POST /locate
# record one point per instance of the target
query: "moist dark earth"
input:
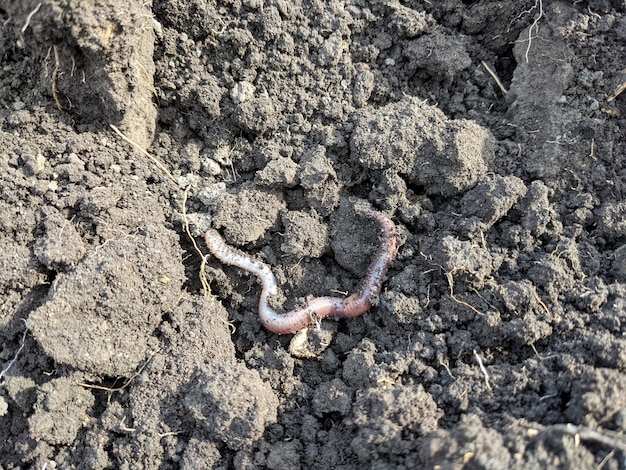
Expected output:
(492, 133)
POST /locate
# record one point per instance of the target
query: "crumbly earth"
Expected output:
(499, 340)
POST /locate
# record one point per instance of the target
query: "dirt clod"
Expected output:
(232, 403)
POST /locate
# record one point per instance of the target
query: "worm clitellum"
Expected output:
(320, 307)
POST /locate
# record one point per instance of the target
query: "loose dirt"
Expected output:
(493, 133)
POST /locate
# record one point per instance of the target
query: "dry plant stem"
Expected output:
(30, 17)
(19, 350)
(482, 368)
(534, 25)
(495, 77)
(608, 438)
(205, 284)
(320, 307)
(144, 153)
(55, 74)
(125, 385)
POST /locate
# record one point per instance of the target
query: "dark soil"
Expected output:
(499, 341)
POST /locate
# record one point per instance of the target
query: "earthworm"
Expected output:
(320, 307)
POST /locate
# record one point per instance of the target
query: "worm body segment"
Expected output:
(320, 307)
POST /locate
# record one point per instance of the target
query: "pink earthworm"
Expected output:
(320, 307)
